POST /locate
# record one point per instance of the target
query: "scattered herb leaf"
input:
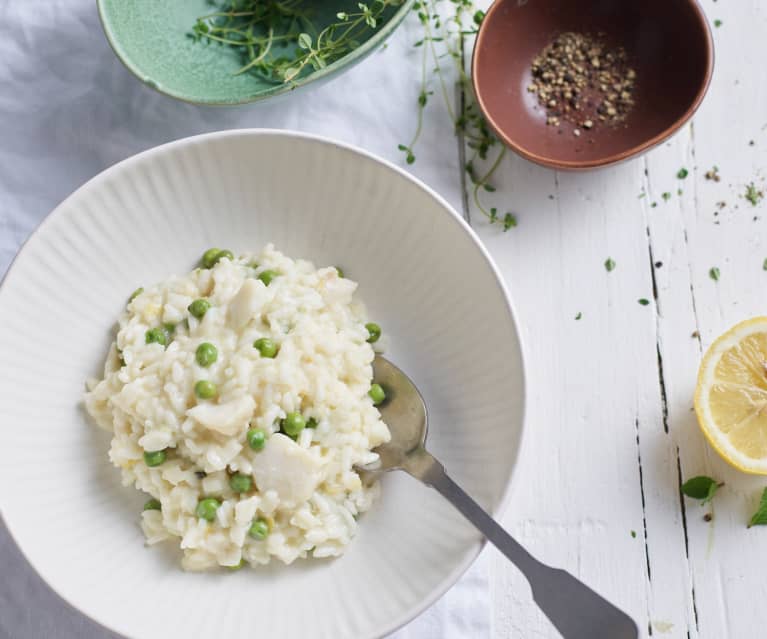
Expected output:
(634, 534)
(764, 264)
(713, 273)
(759, 518)
(666, 196)
(609, 264)
(682, 173)
(753, 195)
(718, 23)
(701, 487)
(643, 301)
(578, 315)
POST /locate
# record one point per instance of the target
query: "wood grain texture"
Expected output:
(611, 429)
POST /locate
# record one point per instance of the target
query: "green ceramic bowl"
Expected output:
(151, 38)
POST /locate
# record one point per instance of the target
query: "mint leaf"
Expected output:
(759, 518)
(702, 488)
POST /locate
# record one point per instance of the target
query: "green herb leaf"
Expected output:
(643, 301)
(578, 315)
(753, 195)
(682, 173)
(634, 534)
(305, 41)
(509, 221)
(666, 196)
(609, 264)
(759, 518)
(701, 487)
(714, 273)
(764, 264)
(717, 23)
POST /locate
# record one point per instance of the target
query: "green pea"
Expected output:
(266, 347)
(340, 271)
(259, 529)
(312, 423)
(198, 308)
(205, 389)
(256, 438)
(377, 394)
(210, 257)
(267, 276)
(135, 294)
(374, 332)
(237, 566)
(153, 504)
(206, 354)
(159, 335)
(206, 508)
(154, 457)
(293, 424)
(241, 483)
(226, 253)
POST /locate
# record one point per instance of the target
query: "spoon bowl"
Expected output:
(403, 410)
(669, 45)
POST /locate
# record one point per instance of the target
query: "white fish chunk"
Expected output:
(291, 471)
(246, 303)
(229, 418)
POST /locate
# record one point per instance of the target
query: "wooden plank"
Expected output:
(725, 557)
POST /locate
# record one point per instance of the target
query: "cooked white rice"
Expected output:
(307, 489)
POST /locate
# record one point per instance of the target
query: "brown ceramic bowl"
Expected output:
(668, 43)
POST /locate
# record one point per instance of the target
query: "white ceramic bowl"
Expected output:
(426, 280)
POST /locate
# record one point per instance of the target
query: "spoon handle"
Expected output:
(575, 609)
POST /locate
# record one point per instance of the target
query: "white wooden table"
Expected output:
(611, 433)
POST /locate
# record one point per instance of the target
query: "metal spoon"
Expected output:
(574, 609)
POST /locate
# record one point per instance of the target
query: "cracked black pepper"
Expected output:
(577, 78)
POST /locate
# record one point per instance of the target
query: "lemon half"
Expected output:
(731, 396)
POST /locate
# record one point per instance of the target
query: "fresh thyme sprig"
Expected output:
(444, 38)
(277, 38)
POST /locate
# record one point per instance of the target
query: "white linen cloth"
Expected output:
(68, 110)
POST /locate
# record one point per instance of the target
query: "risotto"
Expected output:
(240, 398)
